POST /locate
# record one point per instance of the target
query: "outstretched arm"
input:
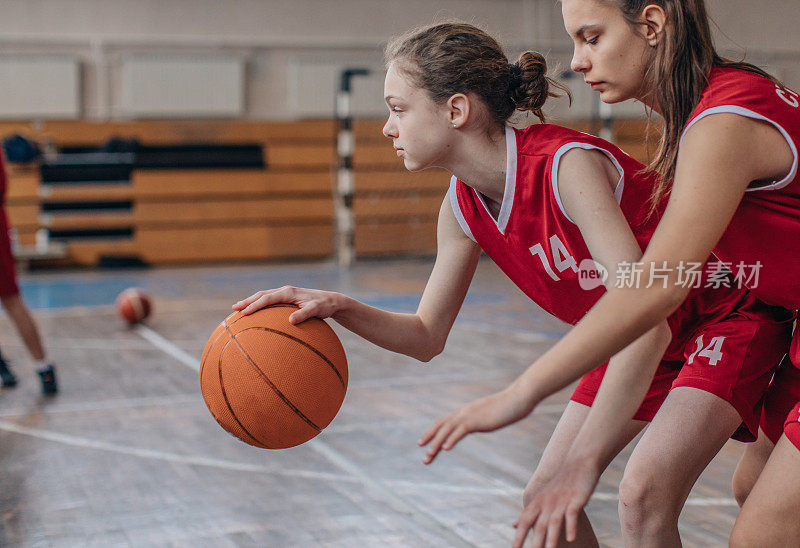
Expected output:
(421, 335)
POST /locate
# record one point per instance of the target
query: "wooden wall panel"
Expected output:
(158, 184)
(379, 154)
(23, 215)
(322, 156)
(374, 180)
(89, 220)
(23, 186)
(390, 238)
(415, 205)
(86, 192)
(199, 212)
(247, 242)
(89, 252)
(639, 151)
(369, 130)
(167, 132)
(638, 130)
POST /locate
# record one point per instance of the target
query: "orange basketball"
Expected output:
(270, 383)
(133, 305)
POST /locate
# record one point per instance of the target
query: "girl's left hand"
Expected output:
(483, 415)
(557, 506)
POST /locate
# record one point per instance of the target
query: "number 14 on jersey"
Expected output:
(561, 257)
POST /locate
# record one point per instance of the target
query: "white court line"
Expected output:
(126, 403)
(94, 344)
(691, 501)
(86, 443)
(502, 489)
(167, 347)
(711, 501)
(515, 493)
(399, 504)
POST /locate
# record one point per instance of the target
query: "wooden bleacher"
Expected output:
(224, 215)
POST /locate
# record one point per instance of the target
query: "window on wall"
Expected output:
(176, 86)
(37, 86)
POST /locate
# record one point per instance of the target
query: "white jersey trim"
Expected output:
(586, 146)
(457, 208)
(747, 113)
(511, 183)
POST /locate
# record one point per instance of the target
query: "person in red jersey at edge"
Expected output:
(543, 203)
(728, 162)
(15, 306)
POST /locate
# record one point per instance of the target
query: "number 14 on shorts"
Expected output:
(712, 351)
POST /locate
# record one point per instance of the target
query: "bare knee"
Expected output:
(633, 500)
(644, 502)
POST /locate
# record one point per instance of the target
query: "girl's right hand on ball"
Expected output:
(312, 302)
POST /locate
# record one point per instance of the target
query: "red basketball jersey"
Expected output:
(541, 250)
(765, 229)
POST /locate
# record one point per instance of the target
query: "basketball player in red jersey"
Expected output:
(15, 307)
(729, 156)
(542, 202)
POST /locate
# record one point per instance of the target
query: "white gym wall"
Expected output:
(284, 56)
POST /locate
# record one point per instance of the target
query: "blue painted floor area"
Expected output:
(394, 285)
(99, 288)
(67, 293)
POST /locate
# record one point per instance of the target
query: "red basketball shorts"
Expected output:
(8, 269)
(791, 428)
(781, 403)
(733, 359)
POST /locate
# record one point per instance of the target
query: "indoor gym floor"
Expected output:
(128, 455)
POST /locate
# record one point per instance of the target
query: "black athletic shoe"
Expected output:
(7, 377)
(48, 377)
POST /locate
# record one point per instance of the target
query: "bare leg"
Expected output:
(686, 433)
(26, 326)
(556, 452)
(770, 516)
(750, 466)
